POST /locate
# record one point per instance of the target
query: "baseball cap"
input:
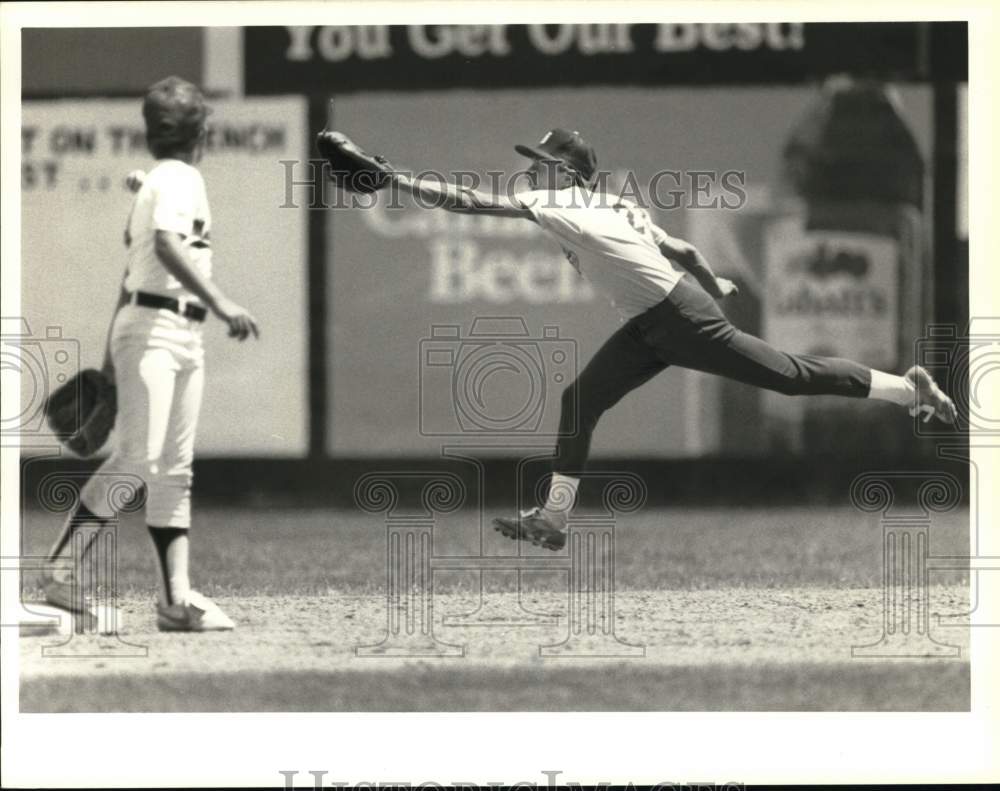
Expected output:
(174, 110)
(564, 146)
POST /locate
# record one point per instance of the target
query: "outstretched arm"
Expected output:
(460, 199)
(687, 255)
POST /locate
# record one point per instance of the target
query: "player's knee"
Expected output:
(172, 465)
(585, 405)
(177, 478)
(168, 508)
(787, 385)
(575, 399)
(110, 489)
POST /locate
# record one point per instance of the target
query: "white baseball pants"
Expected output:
(159, 374)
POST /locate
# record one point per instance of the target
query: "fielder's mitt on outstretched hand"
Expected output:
(81, 412)
(351, 167)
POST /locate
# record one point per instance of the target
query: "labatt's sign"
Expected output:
(370, 42)
(831, 292)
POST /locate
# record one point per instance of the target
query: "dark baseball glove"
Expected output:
(81, 412)
(351, 167)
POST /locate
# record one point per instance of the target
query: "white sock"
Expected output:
(889, 387)
(177, 564)
(562, 496)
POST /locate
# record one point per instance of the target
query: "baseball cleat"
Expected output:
(197, 613)
(533, 526)
(930, 399)
(61, 592)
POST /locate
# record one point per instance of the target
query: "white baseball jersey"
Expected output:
(172, 198)
(610, 241)
(157, 354)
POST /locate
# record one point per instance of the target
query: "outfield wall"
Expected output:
(353, 302)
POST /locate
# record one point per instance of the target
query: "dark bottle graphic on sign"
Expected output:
(856, 167)
(854, 145)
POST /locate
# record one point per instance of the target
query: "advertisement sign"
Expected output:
(833, 293)
(351, 58)
(444, 325)
(75, 157)
(450, 328)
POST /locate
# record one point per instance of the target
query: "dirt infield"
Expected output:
(753, 609)
(722, 649)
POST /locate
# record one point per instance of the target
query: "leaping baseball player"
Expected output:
(154, 354)
(669, 315)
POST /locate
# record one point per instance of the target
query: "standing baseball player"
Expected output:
(154, 354)
(670, 316)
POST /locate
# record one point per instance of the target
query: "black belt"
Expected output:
(188, 310)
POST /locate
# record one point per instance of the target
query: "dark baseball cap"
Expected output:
(563, 146)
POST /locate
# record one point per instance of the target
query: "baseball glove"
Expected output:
(81, 412)
(351, 167)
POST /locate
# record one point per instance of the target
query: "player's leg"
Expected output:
(144, 379)
(693, 332)
(621, 365)
(168, 514)
(168, 510)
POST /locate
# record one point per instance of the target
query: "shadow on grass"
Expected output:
(277, 552)
(880, 685)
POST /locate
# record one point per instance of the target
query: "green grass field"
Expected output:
(733, 610)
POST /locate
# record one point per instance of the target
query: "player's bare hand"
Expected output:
(726, 287)
(241, 323)
(135, 179)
